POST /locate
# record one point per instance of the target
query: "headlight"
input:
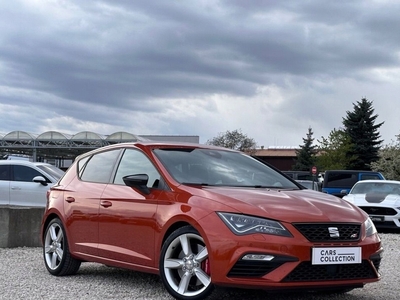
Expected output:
(242, 225)
(369, 227)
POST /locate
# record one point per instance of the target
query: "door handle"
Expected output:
(15, 188)
(105, 203)
(70, 199)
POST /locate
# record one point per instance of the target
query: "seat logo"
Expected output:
(333, 232)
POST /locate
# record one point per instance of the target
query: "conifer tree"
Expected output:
(306, 154)
(364, 135)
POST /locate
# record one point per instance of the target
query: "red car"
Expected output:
(202, 216)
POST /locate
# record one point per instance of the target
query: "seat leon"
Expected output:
(201, 216)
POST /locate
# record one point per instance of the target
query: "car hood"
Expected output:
(286, 205)
(390, 200)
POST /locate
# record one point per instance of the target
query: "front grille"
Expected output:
(322, 232)
(308, 272)
(382, 211)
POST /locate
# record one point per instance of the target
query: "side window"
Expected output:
(5, 172)
(370, 176)
(135, 162)
(24, 173)
(99, 167)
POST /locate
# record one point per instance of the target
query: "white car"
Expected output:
(25, 183)
(378, 198)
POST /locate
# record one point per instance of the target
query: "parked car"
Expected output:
(202, 216)
(25, 183)
(310, 184)
(339, 182)
(299, 175)
(378, 198)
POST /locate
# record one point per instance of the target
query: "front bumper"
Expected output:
(291, 266)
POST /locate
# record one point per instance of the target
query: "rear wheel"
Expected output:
(57, 258)
(184, 265)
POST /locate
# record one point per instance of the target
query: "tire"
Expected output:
(184, 265)
(57, 258)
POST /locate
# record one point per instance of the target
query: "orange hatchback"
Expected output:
(203, 216)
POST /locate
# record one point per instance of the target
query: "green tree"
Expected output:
(234, 140)
(364, 135)
(389, 161)
(305, 156)
(333, 151)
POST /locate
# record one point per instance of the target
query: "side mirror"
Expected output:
(40, 179)
(138, 181)
(344, 192)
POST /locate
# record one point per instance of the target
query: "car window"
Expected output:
(369, 176)
(5, 172)
(218, 167)
(99, 167)
(376, 187)
(135, 162)
(52, 170)
(340, 179)
(24, 173)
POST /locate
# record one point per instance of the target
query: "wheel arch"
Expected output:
(46, 222)
(175, 224)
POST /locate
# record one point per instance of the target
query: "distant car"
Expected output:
(340, 182)
(25, 183)
(299, 175)
(310, 184)
(202, 216)
(378, 198)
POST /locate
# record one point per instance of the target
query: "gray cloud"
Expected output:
(115, 65)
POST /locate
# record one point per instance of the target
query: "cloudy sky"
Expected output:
(271, 69)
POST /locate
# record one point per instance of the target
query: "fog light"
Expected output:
(264, 257)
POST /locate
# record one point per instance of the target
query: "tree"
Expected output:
(364, 136)
(306, 154)
(389, 161)
(333, 151)
(234, 140)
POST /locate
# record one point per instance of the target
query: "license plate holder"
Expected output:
(336, 255)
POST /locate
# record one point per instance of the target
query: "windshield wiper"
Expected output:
(195, 183)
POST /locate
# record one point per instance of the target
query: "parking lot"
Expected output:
(23, 276)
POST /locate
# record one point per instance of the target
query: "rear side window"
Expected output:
(370, 176)
(99, 167)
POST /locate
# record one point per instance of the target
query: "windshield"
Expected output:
(53, 171)
(376, 187)
(220, 168)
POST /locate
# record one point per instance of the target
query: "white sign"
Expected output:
(336, 255)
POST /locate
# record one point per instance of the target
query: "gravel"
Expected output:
(24, 276)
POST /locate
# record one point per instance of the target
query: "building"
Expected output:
(60, 149)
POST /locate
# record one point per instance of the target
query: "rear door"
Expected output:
(82, 200)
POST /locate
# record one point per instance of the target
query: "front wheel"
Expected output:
(57, 258)
(184, 265)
